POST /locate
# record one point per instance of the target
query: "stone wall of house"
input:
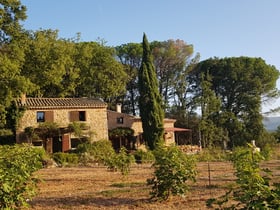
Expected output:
(137, 127)
(129, 121)
(136, 124)
(169, 123)
(169, 138)
(113, 120)
(96, 119)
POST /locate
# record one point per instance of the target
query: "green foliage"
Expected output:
(144, 156)
(150, 101)
(170, 61)
(6, 136)
(101, 76)
(240, 84)
(77, 128)
(102, 152)
(266, 139)
(130, 55)
(11, 13)
(17, 182)
(172, 169)
(267, 151)
(96, 152)
(66, 159)
(50, 65)
(121, 161)
(47, 130)
(121, 132)
(210, 105)
(12, 43)
(253, 189)
(276, 134)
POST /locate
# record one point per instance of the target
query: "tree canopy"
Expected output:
(170, 61)
(11, 54)
(144, 77)
(130, 55)
(50, 65)
(102, 76)
(239, 83)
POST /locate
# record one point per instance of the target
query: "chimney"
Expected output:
(23, 99)
(119, 108)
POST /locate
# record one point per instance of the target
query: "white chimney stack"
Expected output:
(119, 108)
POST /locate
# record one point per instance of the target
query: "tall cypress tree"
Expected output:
(150, 101)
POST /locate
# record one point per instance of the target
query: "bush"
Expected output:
(65, 159)
(120, 161)
(6, 137)
(252, 190)
(172, 169)
(267, 151)
(18, 184)
(123, 161)
(96, 152)
(144, 156)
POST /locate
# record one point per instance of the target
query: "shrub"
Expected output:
(172, 169)
(252, 190)
(97, 152)
(267, 151)
(123, 161)
(144, 156)
(18, 184)
(120, 161)
(66, 159)
(6, 137)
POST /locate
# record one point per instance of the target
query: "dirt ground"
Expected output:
(97, 188)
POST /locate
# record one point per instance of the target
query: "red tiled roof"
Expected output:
(61, 103)
(173, 129)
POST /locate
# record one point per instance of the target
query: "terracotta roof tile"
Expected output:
(61, 103)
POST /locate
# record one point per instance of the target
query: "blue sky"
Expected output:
(222, 28)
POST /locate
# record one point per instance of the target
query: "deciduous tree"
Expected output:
(102, 76)
(171, 59)
(50, 65)
(130, 55)
(12, 45)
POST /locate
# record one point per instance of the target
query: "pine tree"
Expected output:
(150, 101)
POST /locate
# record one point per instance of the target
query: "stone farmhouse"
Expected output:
(117, 119)
(62, 111)
(91, 112)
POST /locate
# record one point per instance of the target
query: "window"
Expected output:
(40, 116)
(82, 116)
(45, 116)
(120, 120)
(77, 116)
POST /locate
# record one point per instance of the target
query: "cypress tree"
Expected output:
(150, 101)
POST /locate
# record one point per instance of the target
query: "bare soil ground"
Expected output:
(98, 188)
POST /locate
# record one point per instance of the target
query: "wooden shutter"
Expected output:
(74, 116)
(49, 116)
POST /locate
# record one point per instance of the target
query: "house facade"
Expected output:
(92, 113)
(117, 119)
(62, 111)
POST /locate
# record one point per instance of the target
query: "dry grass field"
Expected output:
(97, 188)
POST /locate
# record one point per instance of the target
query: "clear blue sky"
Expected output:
(221, 28)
